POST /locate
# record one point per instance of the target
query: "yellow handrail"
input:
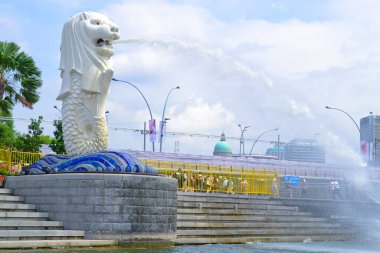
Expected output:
(211, 178)
(13, 160)
(190, 176)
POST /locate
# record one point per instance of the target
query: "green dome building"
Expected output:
(222, 148)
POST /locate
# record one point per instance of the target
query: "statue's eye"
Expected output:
(96, 22)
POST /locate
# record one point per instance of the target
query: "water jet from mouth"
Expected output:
(202, 52)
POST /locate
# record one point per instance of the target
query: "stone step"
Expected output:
(241, 212)
(33, 244)
(223, 195)
(4, 191)
(29, 224)
(211, 205)
(23, 215)
(214, 225)
(229, 218)
(258, 232)
(205, 218)
(40, 234)
(181, 241)
(16, 206)
(237, 199)
(10, 198)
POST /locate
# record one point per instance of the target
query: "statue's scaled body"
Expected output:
(86, 73)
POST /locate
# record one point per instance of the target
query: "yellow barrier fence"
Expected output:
(190, 176)
(210, 178)
(13, 160)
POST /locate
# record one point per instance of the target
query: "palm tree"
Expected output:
(19, 78)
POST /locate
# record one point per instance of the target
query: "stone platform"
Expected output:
(133, 209)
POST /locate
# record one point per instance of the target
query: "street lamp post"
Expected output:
(250, 153)
(55, 107)
(146, 102)
(242, 129)
(332, 108)
(106, 113)
(163, 116)
(357, 127)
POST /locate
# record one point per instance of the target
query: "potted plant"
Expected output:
(3, 174)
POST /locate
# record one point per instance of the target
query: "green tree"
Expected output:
(57, 144)
(7, 136)
(19, 78)
(33, 140)
(7, 133)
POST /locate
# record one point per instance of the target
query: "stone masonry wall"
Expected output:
(134, 209)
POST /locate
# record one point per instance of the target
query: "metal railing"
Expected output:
(12, 160)
(209, 178)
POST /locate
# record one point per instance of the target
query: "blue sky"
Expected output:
(266, 64)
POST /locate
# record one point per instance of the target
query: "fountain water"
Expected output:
(202, 52)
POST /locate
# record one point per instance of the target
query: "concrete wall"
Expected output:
(134, 209)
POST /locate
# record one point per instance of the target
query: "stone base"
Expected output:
(135, 209)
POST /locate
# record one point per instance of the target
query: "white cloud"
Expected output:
(210, 59)
(219, 63)
(157, 18)
(299, 109)
(197, 116)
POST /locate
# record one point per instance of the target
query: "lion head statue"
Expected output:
(86, 48)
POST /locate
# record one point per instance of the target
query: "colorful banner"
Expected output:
(152, 130)
(364, 149)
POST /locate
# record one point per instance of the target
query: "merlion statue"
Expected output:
(86, 73)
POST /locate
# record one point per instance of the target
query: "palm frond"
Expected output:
(24, 102)
(22, 77)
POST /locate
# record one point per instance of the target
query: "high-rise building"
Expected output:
(370, 139)
(304, 150)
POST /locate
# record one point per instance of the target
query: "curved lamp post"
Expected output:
(146, 102)
(163, 116)
(272, 130)
(55, 107)
(242, 129)
(106, 113)
(332, 108)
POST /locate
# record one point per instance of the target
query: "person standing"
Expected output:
(332, 189)
(303, 188)
(337, 189)
(288, 185)
(225, 184)
(274, 186)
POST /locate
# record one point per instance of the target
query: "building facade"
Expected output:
(370, 139)
(304, 150)
(277, 152)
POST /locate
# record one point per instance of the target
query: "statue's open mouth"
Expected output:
(101, 43)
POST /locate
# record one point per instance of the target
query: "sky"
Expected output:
(264, 64)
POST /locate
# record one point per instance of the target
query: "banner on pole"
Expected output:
(152, 130)
(163, 128)
(364, 150)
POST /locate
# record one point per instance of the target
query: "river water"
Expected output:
(308, 247)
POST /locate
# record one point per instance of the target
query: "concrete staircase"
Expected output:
(21, 227)
(221, 218)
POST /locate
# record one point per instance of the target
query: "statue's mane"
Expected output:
(77, 55)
